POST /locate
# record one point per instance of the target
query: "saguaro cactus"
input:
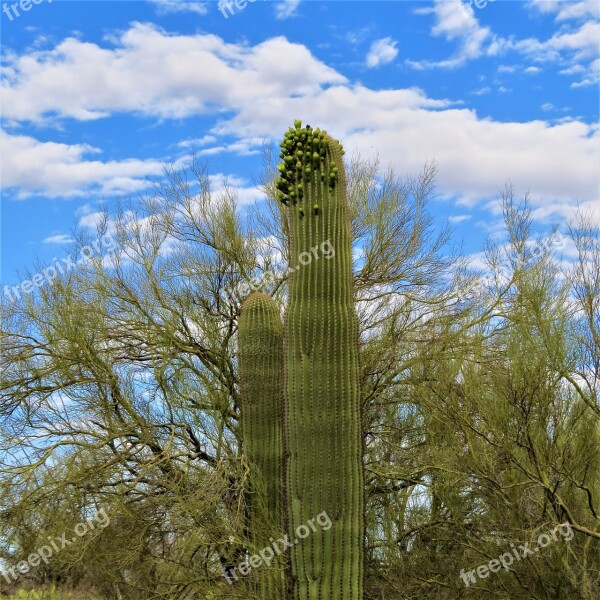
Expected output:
(261, 390)
(324, 468)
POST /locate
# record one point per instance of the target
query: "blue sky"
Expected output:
(97, 96)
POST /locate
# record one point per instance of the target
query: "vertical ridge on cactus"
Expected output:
(324, 469)
(260, 355)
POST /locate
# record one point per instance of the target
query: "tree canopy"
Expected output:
(481, 418)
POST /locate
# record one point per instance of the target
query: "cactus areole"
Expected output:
(324, 468)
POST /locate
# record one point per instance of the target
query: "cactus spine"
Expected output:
(324, 469)
(261, 377)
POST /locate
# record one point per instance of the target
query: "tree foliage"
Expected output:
(481, 417)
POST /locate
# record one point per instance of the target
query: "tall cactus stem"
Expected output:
(324, 468)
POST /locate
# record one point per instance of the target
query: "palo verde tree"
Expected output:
(120, 388)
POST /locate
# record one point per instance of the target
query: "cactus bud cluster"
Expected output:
(304, 162)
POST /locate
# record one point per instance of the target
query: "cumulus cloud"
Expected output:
(577, 49)
(556, 162)
(579, 44)
(576, 41)
(456, 21)
(567, 11)
(240, 187)
(592, 75)
(382, 52)
(85, 81)
(31, 167)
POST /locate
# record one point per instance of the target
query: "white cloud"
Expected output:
(164, 7)
(592, 76)
(547, 106)
(261, 93)
(565, 11)
(91, 220)
(246, 194)
(198, 72)
(578, 48)
(382, 52)
(61, 170)
(506, 69)
(573, 70)
(284, 9)
(241, 147)
(575, 41)
(195, 142)
(532, 70)
(476, 157)
(578, 10)
(581, 43)
(574, 44)
(459, 218)
(455, 20)
(60, 238)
